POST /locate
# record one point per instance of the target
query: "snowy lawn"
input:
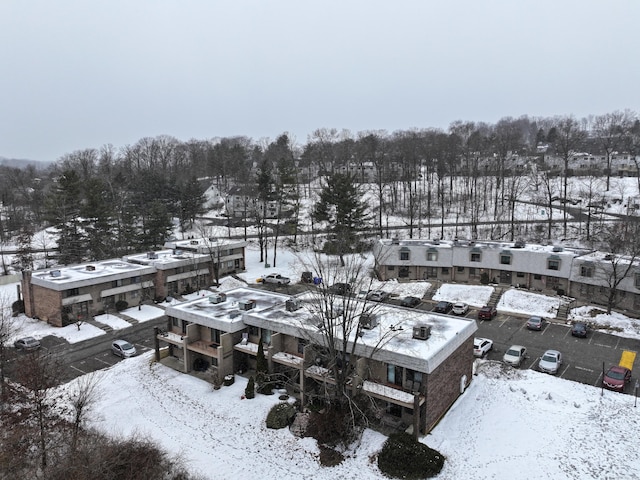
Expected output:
(526, 303)
(474, 295)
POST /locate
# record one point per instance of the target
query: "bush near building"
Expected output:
(404, 457)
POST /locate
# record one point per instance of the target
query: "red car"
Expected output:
(616, 378)
(487, 313)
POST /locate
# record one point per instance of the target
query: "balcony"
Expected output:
(288, 359)
(207, 348)
(390, 394)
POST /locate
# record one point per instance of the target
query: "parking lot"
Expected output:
(583, 358)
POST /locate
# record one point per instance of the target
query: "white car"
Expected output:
(377, 295)
(515, 355)
(550, 362)
(277, 279)
(481, 346)
(123, 349)
(460, 308)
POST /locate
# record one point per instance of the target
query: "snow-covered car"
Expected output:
(27, 343)
(481, 346)
(515, 355)
(550, 361)
(535, 323)
(123, 349)
(276, 278)
(460, 308)
(377, 295)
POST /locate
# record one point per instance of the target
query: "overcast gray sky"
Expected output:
(81, 74)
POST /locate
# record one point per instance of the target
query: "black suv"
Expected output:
(443, 307)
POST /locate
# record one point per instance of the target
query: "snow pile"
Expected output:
(474, 295)
(528, 304)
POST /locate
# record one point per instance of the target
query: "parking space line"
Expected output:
(100, 360)
(76, 368)
(565, 370)
(602, 345)
(585, 369)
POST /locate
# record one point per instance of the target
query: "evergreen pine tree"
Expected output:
(250, 390)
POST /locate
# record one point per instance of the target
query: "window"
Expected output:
(215, 335)
(460, 269)
(586, 270)
(266, 336)
(637, 280)
(445, 270)
(476, 256)
(175, 322)
(301, 344)
(432, 255)
(116, 283)
(391, 268)
(135, 280)
(520, 274)
(505, 258)
(432, 272)
(404, 255)
(72, 292)
(404, 272)
(253, 331)
(553, 263)
(537, 276)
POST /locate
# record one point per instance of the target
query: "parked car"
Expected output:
(481, 346)
(487, 313)
(123, 349)
(515, 355)
(306, 277)
(340, 288)
(535, 323)
(460, 308)
(27, 343)
(443, 307)
(616, 378)
(550, 362)
(377, 295)
(579, 329)
(410, 301)
(277, 279)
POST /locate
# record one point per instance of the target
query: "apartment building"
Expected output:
(550, 269)
(66, 294)
(413, 376)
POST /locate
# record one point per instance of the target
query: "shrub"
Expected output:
(329, 457)
(404, 457)
(484, 278)
(17, 307)
(121, 305)
(250, 390)
(281, 416)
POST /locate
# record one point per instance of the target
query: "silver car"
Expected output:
(515, 355)
(550, 362)
(123, 349)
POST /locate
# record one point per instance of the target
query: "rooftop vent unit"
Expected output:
(218, 297)
(557, 249)
(152, 255)
(608, 256)
(56, 273)
(193, 242)
(292, 304)
(395, 241)
(368, 321)
(177, 252)
(213, 239)
(246, 304)
(436, 241)
(91, 268)
(421, 332)
(519, 244)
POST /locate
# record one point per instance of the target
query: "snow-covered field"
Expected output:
(508, 424)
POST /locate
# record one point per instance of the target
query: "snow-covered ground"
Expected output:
(508, 424)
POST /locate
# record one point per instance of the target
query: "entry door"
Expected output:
(505, 277)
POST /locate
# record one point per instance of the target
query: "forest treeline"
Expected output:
(107, 201)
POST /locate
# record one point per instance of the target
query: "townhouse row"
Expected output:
(588, 276)
(411, 364)
(65, 295)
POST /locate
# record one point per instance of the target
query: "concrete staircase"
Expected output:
(495, 297)
(563, 313)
